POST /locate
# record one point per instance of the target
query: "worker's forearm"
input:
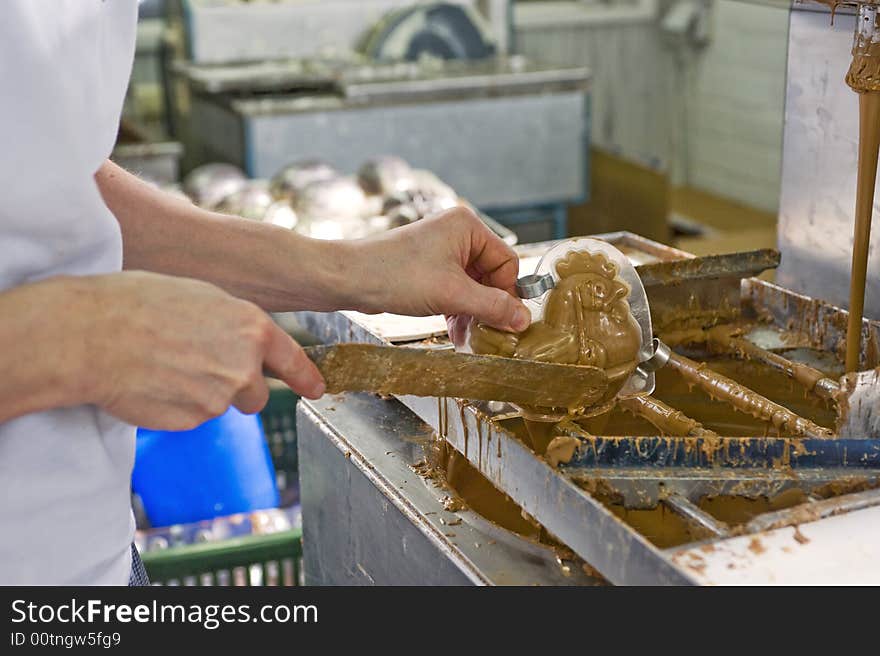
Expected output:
(271, 266)
(42, 351)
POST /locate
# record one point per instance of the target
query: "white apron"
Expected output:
(65, 515)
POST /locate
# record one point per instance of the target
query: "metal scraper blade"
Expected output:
(445, 373)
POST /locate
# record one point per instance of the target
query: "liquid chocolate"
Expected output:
(864, 78)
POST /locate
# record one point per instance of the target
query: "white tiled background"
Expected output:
(727, 95)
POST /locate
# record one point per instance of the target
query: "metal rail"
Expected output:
(663, 417)
(744, 399)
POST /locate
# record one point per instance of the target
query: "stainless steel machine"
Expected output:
(769, 471)
(819, 160)
(263, 84)
(701, 506)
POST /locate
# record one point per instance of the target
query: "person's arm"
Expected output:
(156, 351)
(169, 352)
(40, 359)
(451, 264)
(271, 266)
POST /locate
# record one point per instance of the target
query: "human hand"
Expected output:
(170, 353)
(448, 264)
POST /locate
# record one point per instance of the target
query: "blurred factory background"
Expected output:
(555, 118)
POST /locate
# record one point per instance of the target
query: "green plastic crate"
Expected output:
(253, 560)
(279, 425)
(274, 559)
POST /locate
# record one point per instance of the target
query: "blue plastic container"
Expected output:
(222, 467)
